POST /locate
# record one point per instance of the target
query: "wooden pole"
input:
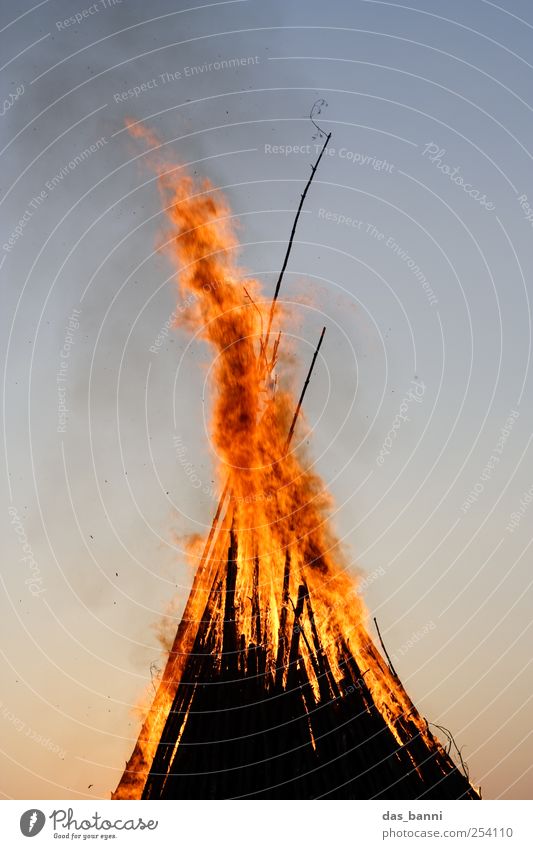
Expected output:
(391, 667)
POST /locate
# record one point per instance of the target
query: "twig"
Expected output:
(293, 232)
(316, 109)
(391, 667)
(155, 668)
(302, 394)
(451, 741)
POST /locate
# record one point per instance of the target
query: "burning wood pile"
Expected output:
(273, 687)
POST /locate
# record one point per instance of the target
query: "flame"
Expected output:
(272, 501)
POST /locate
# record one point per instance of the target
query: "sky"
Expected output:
(414, 250)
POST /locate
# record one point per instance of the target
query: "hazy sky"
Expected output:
(415, 250)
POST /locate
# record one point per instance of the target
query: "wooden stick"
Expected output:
(293, 232)
(391, 667)
(304, 390)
